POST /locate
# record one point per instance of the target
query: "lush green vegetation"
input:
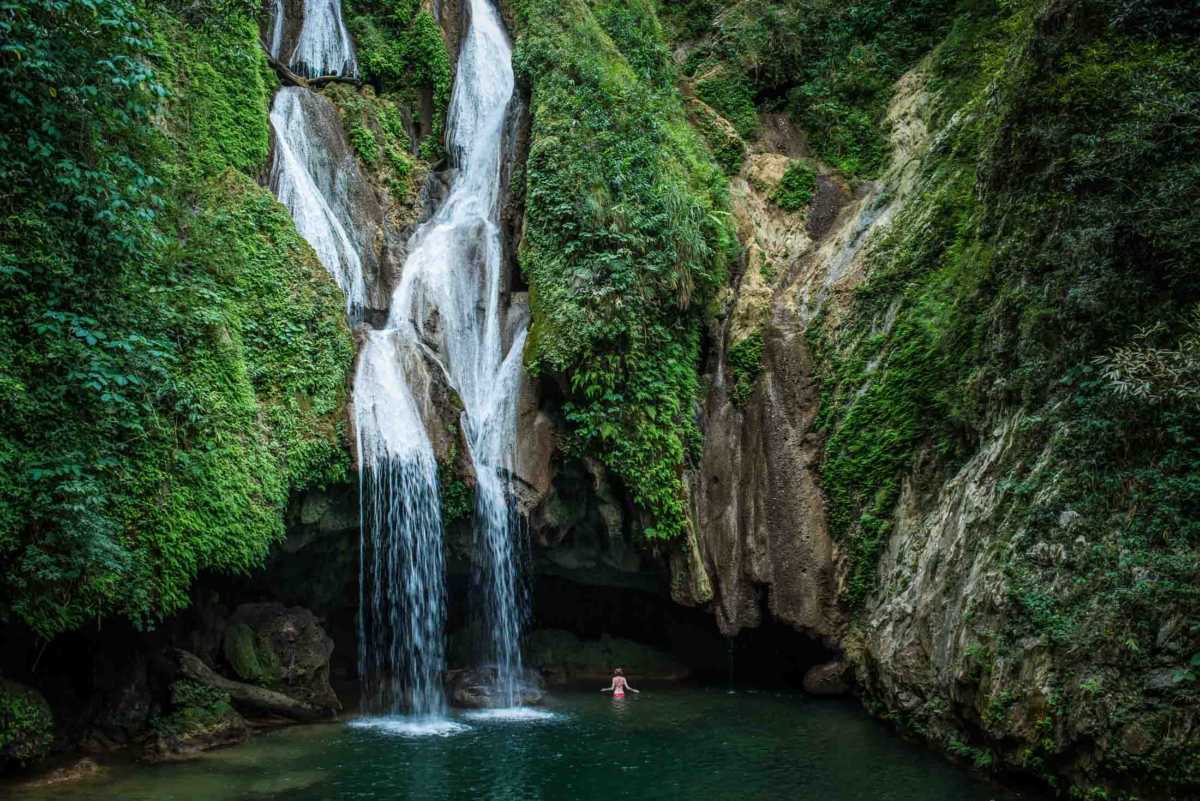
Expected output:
(172, 356)
(375, 127)
(402, 54)
(745, 366)
(795, 188)
(195, 707)
(831, 66)
(26, 724)
(626, 237)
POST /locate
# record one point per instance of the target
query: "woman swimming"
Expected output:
(619, 685)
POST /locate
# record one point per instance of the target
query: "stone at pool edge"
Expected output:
(283, 649)
(473, 688)
(828, 679)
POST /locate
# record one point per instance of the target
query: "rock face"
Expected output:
(281, 649)
(831, 678)
(563, 657)
(761, 537)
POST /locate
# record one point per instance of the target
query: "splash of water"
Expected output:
(323, 46)
(305, 180)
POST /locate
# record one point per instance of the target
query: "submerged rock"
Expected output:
(74, 771)
(475, 688)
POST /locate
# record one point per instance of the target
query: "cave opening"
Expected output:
(774, 655)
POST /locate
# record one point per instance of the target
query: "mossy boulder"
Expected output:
(283, 649)
(26, 724)
(201, 718)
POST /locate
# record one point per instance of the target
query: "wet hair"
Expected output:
(618, 672)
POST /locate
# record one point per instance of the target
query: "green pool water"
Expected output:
(666, 745)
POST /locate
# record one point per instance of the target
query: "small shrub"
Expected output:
(26, 724)
(745, 366)
(796, 187)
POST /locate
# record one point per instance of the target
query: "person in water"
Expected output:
(619, 685)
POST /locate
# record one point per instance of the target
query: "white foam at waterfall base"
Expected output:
(411, 726)
(514, 714)
(298, 152)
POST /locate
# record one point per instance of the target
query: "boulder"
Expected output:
(250, 697)
(281, 649)
(202, 718)
(475, 688)
(26, 724)
(830, 678)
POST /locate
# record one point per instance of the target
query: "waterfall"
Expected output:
(323, 45)
(447, 309)
(402, 603)
(305, 178)
(446, 319)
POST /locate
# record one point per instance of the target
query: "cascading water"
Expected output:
(304, 179)
(445, 316)
(447, 310)
(323, 45)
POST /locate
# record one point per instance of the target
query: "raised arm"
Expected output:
(610, 687)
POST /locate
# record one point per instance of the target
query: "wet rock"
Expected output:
(563, 657)
(202, 718)
(79, 769)
(475, 688)
(26, 724)
(281, 649)
(830, 678)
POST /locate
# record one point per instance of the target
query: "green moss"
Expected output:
(375, 128)
(241, 655)
(726, 147)
(626, 236)
(194, 707)
(26, 724)
(795, 189)
(217, 108)
(745, 366)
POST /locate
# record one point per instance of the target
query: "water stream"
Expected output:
(306, 179)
